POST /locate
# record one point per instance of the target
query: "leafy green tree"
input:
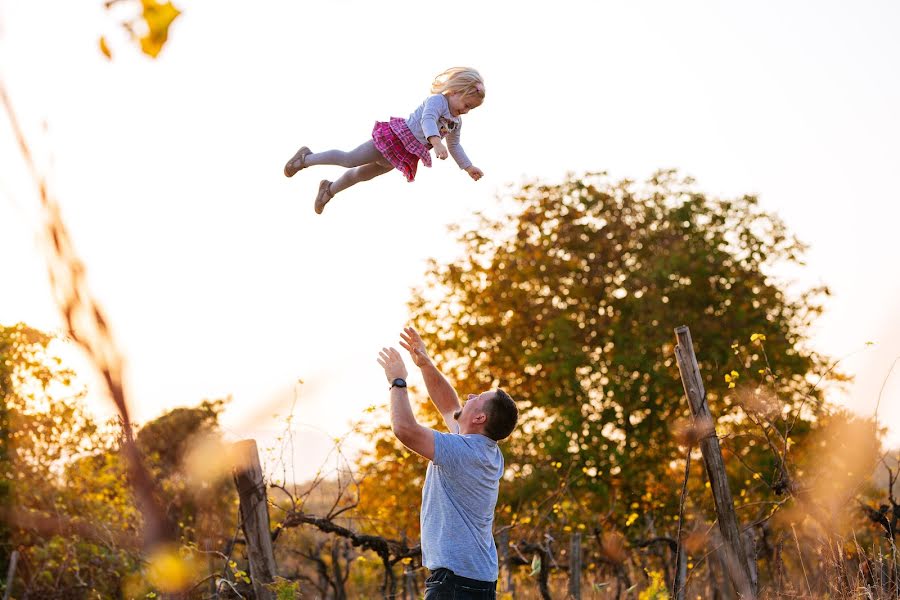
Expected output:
(20, 351)
(200, 497)
(568, 300)
(65, 526)
(68, 506)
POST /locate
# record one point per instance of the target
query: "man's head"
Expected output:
(492, 413)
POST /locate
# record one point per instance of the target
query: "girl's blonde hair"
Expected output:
(459, 80)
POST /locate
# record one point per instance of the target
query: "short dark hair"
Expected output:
(502, 416)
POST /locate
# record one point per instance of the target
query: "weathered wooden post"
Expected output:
(211, 566)
(575, 566)
(680, 584)
(11, 573)
(410, 589)
(254, 512)
(737, 566)
(507, 564)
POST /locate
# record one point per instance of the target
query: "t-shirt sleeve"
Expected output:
(434, 107)
(450, 451)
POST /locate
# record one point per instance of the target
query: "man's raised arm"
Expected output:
(403, 422)
(442, 393)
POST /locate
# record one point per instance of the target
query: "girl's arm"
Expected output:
(434, 106)
(456, 149)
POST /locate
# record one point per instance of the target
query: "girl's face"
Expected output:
(461, 104)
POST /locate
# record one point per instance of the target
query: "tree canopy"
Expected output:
(67, 505)
(568, 300)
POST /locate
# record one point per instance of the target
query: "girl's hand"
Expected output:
(440, 150)
(475, 173)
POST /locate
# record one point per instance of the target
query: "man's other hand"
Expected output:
(392, 363)
(412, 342)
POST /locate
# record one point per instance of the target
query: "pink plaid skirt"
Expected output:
(398, 144)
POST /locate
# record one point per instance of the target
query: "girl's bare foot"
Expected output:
(323, 196)
(297, 162)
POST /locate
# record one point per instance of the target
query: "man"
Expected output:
(463, 477)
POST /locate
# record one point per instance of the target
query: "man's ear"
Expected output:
(480, 418)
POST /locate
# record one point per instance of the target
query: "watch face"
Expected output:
(398, 383)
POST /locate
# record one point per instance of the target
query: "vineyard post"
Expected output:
(254, 514)
(738, 566)
(575, 566)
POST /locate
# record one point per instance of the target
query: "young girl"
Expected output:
(401, 143)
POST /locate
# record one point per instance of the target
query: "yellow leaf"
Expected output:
(631, 519)
(159, 17)
(104, 48)
(730, 385)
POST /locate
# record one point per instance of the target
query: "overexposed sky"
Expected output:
(218, 277)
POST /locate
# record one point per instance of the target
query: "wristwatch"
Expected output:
(401, 383)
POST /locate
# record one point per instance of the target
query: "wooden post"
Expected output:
(11, 573)
(507, 565)
(248, 478)
(680, 571)
(575, 566)
(409, 583)
(750, 549)
(211, 567)
(738, 567)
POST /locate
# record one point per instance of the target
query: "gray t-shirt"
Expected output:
(458, 502)
(433, 117)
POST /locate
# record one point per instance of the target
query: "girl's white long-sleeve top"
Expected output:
(433, 117)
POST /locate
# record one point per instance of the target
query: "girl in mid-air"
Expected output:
(401, 143)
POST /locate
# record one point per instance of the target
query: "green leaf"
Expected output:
(535, 565)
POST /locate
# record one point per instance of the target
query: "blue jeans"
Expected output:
(444, 584)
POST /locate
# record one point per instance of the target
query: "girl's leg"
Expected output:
(350, 177)
(357, 174)
(363, 155)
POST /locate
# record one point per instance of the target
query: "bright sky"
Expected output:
(219, 278)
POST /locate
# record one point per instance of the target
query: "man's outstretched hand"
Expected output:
(392, 363)
(412, 342)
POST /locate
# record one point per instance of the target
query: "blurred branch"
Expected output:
(87, 326)
(51, 525)
(883, 384)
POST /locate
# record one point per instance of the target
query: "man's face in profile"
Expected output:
(474, 404)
